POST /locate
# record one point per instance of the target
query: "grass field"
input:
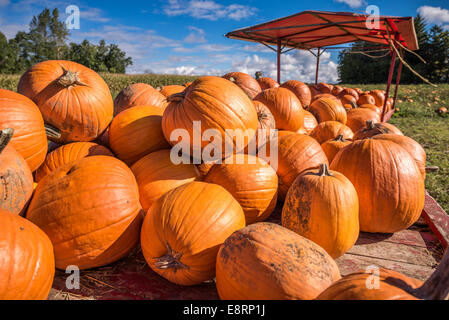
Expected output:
(416, 118)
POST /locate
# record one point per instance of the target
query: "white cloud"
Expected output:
(196, 35)
(4, 3)
(93, 14)
(435, 15)
(208, 9)
(10, 30)
(352, 3)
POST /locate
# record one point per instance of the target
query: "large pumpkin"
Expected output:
(329, 130)
(251, 181)
(372, 107)
(322, 206)
(138, 94)
(171, 89)
(16, 179)
(21, 114)
(325, 109)
(301, 90)
(388, 182)
(27, 263)
(136, 132)
(265, 261)
(267, 83)
(212, 103)
(333, 146)
(183, 230)
(248, 84)
(357, 118)
(371, 129)
(90, 210)
(68, 153)
(156, 174)
(310, 122)
(285, 107)
(72, 98)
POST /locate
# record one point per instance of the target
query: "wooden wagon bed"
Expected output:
(415, 252)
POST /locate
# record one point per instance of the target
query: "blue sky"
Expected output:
(186, 36)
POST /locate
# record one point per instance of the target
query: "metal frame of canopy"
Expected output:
(323, 30)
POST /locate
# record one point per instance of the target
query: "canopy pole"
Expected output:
(390, 77)
(279, 59)
(317, 65)
(398, 79)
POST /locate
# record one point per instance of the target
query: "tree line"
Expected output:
(433, 48)
(47, 39)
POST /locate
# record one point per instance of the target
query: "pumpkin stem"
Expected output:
(176, 97)
(170, 260)
(52, 132)
(324, 171)
(369, 124)
(232, 79)
(5, 137)
(340, 138)
(437, 286)
(69, 79)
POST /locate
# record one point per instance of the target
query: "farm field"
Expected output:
(416, 118)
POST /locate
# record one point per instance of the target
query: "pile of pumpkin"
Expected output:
(85, 179)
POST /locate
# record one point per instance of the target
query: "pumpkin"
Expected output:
(251, 181)
(314, 91)
(156, 174)
(414, 148)
(138, 94)
(187, 84)
(90, 210)
(248, 84)
(68, 153)
(388, 182)
(204, 168)
(379, 97)
(21, 114)
(366, 99)
(325, 109)
(136, 132)
(329, 130)
(267, 83)
(183, 230)
(371, 129)
(325, 95)
(265, 261)
(350, 92)
(285, 107)
(265, 117)
(27, 263)
(331, 147)
(172, 89)
(348, 99)
(359, 91)
(357, 118)
(324, 87)
(301, 90)
(372, 107)
(16, 179)
(310, 122)
(322, 206)
(73, 99)
(215, 103)
(103, 139)
(336, 90)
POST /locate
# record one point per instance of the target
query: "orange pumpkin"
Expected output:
(72, 98)
(372, 107)
(310, 122)
(172, 89)
(329, 130)
(323, 206)
(27, 264)
(366, 99)
(248, 84)
(265, 261)
(357, 118)
(251, 181)
(267, 83)
(16, 179)
(266, 118)
(301, 90)
(388, 182)
(336, 90)
(325, 109)
(136, 132)
(350, 92)
(325, 95)
(285, 107)
(371, 129)
(348, 99)
(184, 229)
(156, 174)
(204, 168)
(90, 210)
(68, 153)
(21, 114)
(331, 147)
(324, 87)
(379, 97)
(138, 94)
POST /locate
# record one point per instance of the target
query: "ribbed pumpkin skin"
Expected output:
(218, 104)
(21, 114)
(357, 118)
(90, 210)
(138, 94)
(324, 87)
(372, 107)
(68, 153)
(244, 81)
(156, 175)
(27, 263)
(353, 287)
(16, 181)
(388, 182)
(336, 90)
(379, 97)
(251, 181)
(285, 107)
(325, 95)
(329, 130)
(172, 89)
(414, 148)
(301, 90)
(79, 112)
(348, 99)
(325, 109)
(366, 99)
(323, 207)
(372, 129)
(265, 261)
(349, 92)
(192, 220)
(136, 132)
(266, 118)
(310, 122)
(267, 83)
(332, 147)
(296, 153)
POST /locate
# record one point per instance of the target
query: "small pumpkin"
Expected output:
(138, 94)
(265, 261)
(267, 83)
(379, 97)
(372, 107)
(322, 206)
(248, 84)
(336, 90)
(265, 117)
(325, 95)
(324, 87)
(348, 99)
(301, 90)
(184, 229)
(329, 130)
(171, 89)
(325, 109)
(366, 99)
(331, 147)
(350, 92)
(357, 118)
(371, 129)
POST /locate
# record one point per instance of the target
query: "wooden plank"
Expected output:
(437, 219)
